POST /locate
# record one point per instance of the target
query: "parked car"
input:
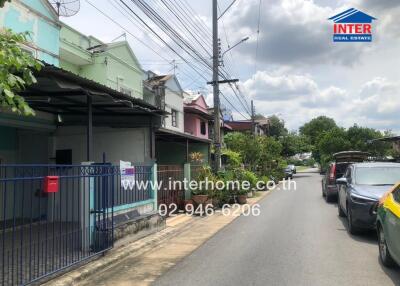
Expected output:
(293, 168)
(288, 173)
(336, 170)
(388, 227)
(360, 190)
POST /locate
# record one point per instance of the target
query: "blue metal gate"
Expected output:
(52, 217)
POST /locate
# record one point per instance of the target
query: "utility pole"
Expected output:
(217, 131)
(253, 124)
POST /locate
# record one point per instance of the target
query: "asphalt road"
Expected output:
(298, 239)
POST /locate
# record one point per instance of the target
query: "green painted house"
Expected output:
(111, 64)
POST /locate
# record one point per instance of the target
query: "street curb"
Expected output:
(134, 249)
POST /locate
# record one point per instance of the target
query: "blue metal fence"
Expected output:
(41, 233)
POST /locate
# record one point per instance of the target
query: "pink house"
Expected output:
(196, 115)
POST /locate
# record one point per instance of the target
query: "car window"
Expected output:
(377, 175)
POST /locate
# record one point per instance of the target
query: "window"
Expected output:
(203, 129)
(174, 115)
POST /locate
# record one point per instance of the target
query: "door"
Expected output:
(393, 225)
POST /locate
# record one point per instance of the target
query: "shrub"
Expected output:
(233, 159)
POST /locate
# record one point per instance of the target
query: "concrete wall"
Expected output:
(36, 17)
(118, 144)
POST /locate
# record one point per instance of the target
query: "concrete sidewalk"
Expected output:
(141, 262)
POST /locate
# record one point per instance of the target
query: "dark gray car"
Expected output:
(360, 189)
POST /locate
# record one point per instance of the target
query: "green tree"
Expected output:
(332, 141)
(246, 145)
(15, 71)
(316, 127)
(293, 144)
(360, 139)
(276, 127)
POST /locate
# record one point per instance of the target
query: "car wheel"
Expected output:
(353, 230)
(329, 198)
(340, 210)
(384, 253)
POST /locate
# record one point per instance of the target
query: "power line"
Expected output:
(139, 23)
(173, 35)
(126, 30)
(167, 44)
(233, 107)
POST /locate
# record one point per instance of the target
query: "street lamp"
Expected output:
(230, 48)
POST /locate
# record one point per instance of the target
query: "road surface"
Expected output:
(297, 240)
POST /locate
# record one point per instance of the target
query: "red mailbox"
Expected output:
(51, 184)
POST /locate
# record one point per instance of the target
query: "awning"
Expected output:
(193, 110)
(175, 136)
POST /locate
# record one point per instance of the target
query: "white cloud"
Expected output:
(263, 86)
(299, 98)
(294, 32)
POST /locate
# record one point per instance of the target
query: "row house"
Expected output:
(176, 143)
(67, 174)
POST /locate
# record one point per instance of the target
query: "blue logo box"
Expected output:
(352, 38)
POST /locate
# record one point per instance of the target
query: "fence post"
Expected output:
(155, 184)
(187, 176)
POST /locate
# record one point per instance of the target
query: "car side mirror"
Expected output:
(342, 181)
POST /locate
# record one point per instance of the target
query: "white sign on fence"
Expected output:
(127, 175)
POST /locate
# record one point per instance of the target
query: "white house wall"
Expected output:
(118, 144)
(174, 100)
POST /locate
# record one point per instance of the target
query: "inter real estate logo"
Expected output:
(352, 26)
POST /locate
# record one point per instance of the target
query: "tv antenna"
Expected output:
(66, 8)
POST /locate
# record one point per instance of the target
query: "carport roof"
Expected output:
(61, 92)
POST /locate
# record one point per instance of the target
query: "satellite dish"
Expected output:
(66, 8)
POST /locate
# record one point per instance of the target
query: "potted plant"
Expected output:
(199, 196)
(242, 197)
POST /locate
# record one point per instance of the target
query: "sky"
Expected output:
(297, 73)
